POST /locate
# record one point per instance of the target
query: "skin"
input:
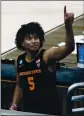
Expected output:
(32, 45)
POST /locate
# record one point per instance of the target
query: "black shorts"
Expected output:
(43, 107)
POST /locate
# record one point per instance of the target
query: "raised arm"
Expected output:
(63, 51)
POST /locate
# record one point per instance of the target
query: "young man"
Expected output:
(36, 68)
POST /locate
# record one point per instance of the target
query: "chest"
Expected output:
(35, 76)
(32, 75)
(34, 68)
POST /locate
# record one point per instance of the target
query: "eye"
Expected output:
(27, 38)
(36, 37)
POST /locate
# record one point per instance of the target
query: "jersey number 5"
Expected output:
(31, 83)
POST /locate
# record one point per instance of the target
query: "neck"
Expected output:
(31, 55)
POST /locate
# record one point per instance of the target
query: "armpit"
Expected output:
(51, 65)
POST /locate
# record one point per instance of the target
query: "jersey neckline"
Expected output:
(38, 54)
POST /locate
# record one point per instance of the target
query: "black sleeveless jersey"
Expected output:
(37, 83)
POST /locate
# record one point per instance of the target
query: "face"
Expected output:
(31, 42)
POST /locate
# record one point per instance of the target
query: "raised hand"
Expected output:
(68, 17)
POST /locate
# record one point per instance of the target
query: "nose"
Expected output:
(33, 40)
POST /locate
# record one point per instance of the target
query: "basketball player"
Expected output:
(36, 67)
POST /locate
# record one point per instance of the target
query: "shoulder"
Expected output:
(19, 59)
(21, 55)
(47, 54)
(50, 62)
(42, 51)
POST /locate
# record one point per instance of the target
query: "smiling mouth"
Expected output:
(34, 45)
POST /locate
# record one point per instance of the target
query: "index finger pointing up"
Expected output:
(65, 10)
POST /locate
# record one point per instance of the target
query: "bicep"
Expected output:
(55, 53)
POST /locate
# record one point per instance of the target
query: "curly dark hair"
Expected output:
(27, 29)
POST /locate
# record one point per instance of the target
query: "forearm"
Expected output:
(63, 51)
(17, 95)
(69, 40)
